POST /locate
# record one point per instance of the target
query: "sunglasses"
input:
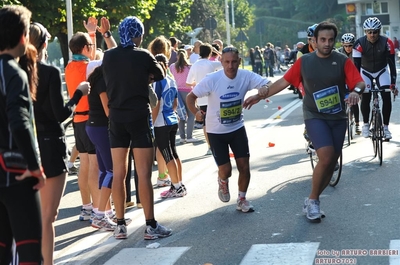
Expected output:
(230, 49)
(89, 44)
(347, 46)
(372, 32)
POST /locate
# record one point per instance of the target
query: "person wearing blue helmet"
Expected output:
(311, 44)
(127, 71)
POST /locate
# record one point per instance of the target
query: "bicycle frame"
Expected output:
(376, 124)
(350, 124)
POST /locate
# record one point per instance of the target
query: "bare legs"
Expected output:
(50, 196)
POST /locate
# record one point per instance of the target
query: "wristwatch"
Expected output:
(107, 34)
(357, 90)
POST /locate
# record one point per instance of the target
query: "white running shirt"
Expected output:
(225, 98)
(199, 70)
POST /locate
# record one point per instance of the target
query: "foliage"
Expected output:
(52, 14)
(281, 20)
(166, 19)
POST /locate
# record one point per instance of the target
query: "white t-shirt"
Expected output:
(199, 70)
(91, 66)
(194, 57)
(225, 98)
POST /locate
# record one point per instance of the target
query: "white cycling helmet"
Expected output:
(348, 38)
(372, 23)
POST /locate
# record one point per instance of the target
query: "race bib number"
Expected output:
(328, 100)
(230, 112)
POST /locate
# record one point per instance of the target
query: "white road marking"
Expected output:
(394, 245)
(143, 256)
(283, 254)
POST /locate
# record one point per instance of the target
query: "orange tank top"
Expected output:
(75, 73)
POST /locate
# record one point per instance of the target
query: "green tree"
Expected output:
(52, 14)
(167, 19)
(201, 10)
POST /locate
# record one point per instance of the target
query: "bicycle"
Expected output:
(376, 124)
(314, 161)
(350, 124)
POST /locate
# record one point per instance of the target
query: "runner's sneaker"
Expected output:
(86, 214)
(305, 208)
(181, 191)
(223, 190)
(173, 192)
(192, 140)
(182, 141)
(153, 233)
(73, 170)
(244, 206)
(313, 212)
(113, 219)
(164, 182)
(358, 131)
(365, 131)
(120, 232)
(184, 189)
(387, 134)
(104, 224)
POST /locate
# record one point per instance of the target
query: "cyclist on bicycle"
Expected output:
(372, 54)
(323, 106)
(348, 40)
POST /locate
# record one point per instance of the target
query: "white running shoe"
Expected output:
(244, 206)
(365, 131)
(387, 134)
(164, 182)
(223, 190)
(192, 140)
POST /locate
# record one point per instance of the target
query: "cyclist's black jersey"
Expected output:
(374, 56)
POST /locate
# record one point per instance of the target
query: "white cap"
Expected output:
(300, 43)
(188, 47)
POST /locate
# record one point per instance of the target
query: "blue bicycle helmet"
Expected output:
(311, 29)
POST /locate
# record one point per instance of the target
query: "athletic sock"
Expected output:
(242, 195)
(87, 206)
(152, 223)
(162, 176)
(121, 221)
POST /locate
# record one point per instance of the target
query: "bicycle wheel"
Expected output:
(379, 137)
(337, 172)
(348, 131)
(352, 125)
(374, 136)
(313, 155)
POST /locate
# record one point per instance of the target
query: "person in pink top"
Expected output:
(180, 70)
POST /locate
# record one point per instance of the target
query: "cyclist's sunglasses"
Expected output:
(370, 32)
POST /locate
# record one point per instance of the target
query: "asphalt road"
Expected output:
(362, 211)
